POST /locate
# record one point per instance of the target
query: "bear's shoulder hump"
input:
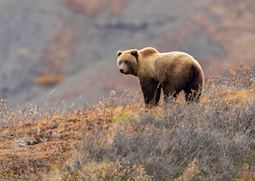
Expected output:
(148, 51)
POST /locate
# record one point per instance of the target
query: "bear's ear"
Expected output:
(119, 53)
(135, 53)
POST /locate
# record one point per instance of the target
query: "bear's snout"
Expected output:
(123, 68)
(122, 71)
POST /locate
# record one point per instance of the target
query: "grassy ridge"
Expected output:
(119, 138)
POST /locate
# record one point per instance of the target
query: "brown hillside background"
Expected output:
(63, 51)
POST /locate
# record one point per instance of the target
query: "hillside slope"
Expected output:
(54, 46)
(119, 138)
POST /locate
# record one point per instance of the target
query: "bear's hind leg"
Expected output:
(195, 87)
(170, 93)
(192, 96)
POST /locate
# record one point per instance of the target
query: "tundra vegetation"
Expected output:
(119, 139)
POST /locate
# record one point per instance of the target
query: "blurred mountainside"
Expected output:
(63, 51)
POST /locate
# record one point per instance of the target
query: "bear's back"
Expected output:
(177, 58)
(175, 64)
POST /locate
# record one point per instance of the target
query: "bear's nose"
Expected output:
(121, 71)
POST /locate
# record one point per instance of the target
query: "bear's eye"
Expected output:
(122, 61)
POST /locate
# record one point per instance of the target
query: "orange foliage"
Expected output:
(117, 6)
(88, 7)
(94, 7)
(49, 80)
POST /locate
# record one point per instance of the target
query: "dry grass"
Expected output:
(119, 139)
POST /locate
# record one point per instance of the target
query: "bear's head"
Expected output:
(128, 61)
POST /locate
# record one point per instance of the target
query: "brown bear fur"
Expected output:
(172, 71)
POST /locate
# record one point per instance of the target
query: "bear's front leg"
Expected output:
(151, 91)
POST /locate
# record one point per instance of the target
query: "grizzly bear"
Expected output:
(171, 71)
